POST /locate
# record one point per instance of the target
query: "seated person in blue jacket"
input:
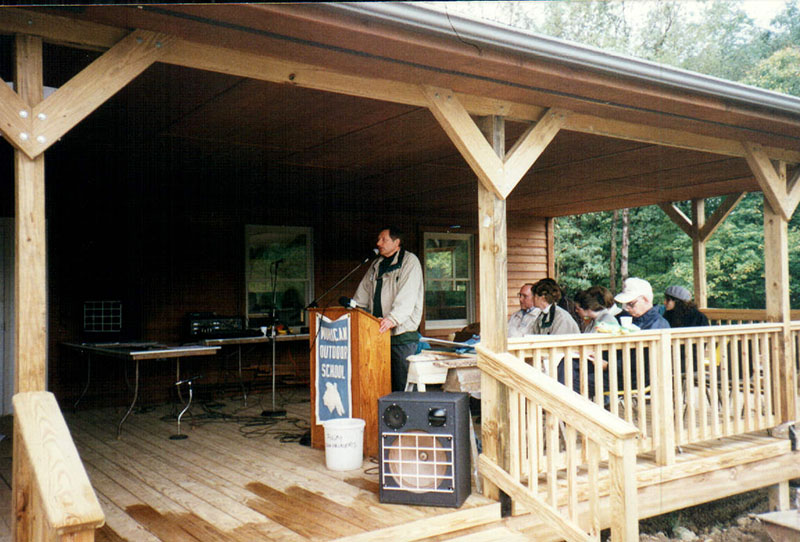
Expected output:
(636, 299)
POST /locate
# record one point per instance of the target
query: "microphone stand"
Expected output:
(275, 412)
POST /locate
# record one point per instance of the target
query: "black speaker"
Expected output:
(424, 448)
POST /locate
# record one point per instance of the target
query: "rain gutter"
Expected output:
(506, 39)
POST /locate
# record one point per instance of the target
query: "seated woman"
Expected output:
(591, 307)
(680, 311)
(553, 320)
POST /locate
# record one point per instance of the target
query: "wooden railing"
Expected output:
(554, 432)
(740, 316)
(53, 499)
(676, 386)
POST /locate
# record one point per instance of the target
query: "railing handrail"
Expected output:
(56, 478)
(583, 414)
(742, 314)
(582, 339)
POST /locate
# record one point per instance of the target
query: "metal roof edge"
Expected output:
(420, 18)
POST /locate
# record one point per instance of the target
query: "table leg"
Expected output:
(241, 380)
(88, 376)
(135, 397)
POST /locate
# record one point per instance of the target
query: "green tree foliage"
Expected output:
(780, 72)
(714, 37)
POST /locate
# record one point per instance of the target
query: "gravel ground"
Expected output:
(726, 520)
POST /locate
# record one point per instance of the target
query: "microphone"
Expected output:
(347, 303)
(371, 255)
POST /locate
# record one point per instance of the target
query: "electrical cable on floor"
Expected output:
(250, 426)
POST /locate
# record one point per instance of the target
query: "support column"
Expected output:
(699, 254)
(30, 301)
(493, 258)
(30, 286)
(776, 276)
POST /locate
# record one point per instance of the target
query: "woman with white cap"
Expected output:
(680, 311)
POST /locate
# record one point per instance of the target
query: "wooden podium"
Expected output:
(370, 376)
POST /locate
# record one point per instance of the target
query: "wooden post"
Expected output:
(699, 254)
(776, 275)
(30, 302)
(30, 288)
(493, 257)
(624, 509)
(661, 384)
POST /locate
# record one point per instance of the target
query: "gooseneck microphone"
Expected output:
(371, 255)
(364, 260)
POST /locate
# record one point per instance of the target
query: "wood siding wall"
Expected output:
(528, 254)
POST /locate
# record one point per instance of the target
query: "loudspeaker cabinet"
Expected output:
(424, 448)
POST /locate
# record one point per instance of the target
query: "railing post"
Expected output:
(624, 509)
(661, 388)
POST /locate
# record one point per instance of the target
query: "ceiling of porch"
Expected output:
(364, 151)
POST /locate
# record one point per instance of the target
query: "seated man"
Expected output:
(521, 322)
(636, 298)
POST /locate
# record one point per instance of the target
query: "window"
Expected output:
(449, 298)
(281, 257)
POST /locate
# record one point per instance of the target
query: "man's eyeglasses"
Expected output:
(631, 304)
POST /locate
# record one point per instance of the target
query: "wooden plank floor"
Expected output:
(234, 481)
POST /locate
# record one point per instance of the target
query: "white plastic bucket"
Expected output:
(344, 443)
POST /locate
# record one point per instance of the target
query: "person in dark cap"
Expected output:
(680, 311)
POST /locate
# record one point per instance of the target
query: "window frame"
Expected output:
(470, 279)
(254, 229)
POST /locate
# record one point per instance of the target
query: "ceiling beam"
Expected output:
(678, 217)
(719, 215)
(468, 139)
(496, 174)
(240, 63)
(782, 196)
(95, 84)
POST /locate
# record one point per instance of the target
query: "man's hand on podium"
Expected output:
(386, 325)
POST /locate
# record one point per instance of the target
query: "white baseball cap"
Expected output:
(633, 288)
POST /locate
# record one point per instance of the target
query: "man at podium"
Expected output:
(393, 291)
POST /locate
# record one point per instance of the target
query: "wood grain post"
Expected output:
(624, 509)
(493, 256)
(30, 287)
(776, 275)
(699, 254)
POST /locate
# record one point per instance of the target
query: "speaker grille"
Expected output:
(417, 461)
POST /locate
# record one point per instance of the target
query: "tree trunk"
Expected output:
(612, 264)
(623, 266)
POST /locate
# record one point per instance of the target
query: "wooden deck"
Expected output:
(239, 482)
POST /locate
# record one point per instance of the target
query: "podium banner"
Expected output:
(334, 369)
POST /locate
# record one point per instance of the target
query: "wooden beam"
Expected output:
(667, 137)
(467, 138)
(531, 144)
(719, 215)
(677, 216)
(30, 282)
(95, 84)
(235, 62)
(493, 262)
(699, 277)
(776, 277)
(15, 119)
(772, 183)
(264, 68)
(793, 188)
(60, 30)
